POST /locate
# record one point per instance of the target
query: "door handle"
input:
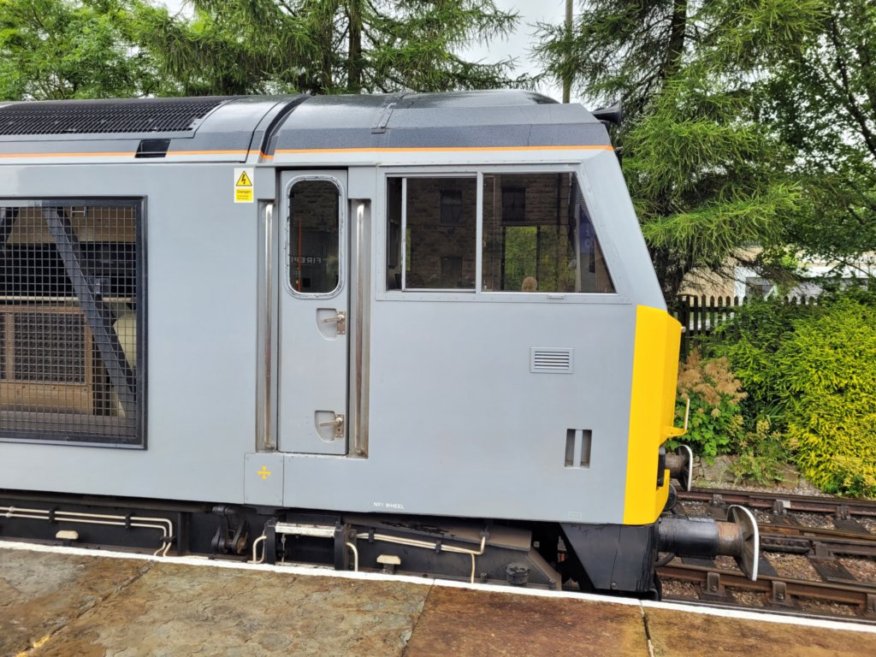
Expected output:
(337, 423)
(340, 320)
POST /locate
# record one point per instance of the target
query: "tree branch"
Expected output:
(850, 102)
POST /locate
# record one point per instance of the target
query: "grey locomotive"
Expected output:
(416, 332)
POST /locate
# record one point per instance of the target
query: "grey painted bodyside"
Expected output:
(201, 310)
(458, 424)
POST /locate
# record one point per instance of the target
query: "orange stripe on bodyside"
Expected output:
(445, 149)
(56, 155)
(243, 152)
(300, 151)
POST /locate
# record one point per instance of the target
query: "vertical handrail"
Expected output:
(265, 438)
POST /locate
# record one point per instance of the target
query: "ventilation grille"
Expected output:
(70, 307)
(105, 116)
(556, 361)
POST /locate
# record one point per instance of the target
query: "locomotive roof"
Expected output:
(231, 127)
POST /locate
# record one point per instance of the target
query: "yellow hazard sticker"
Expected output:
(243, 185)
(264, 473)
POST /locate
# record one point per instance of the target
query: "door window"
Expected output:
(314, 236)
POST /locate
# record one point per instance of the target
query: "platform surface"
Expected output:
(73, 604)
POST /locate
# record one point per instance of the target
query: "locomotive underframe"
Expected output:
(516, 553)
(607, 557)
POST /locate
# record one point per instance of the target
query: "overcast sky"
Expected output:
(516, 45)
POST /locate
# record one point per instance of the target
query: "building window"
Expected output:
(758, 287)
(513, 205)
(451, 207)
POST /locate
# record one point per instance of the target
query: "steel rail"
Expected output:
(805, 544)
(818, 533)
(844, 507)
(780, 591)
(801, 540)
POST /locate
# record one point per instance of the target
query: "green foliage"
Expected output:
(748, 122)
(56, 49)
(324, 46)
(820, 98)
(750, 342)
(715, 422)
(101, 48)
(761, 456)
(706, 174)
(617, 50)
(830, 369)
(812, 371)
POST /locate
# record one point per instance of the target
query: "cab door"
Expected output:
(313, 314)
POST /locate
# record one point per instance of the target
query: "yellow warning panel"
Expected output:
(243, 186)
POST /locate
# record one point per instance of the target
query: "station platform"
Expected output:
(68, 602)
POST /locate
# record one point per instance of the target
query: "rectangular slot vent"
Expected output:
(551, 361)
(152, 148)
(578, 444)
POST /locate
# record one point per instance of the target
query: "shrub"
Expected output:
(750, 342)
(715, 424)
(762, 457)
(829, 370)
(811, 372)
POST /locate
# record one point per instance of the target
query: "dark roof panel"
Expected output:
(472, 99)
(461, 119)
(106, 116)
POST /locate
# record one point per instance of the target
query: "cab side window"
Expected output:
(538, 236)
(431, 233)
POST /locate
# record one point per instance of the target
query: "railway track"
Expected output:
(842, 508)
(784, 531)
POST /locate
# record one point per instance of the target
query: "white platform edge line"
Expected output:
(766, 617)
(318, 571)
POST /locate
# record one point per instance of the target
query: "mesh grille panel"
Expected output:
(105, 116)
(69, 322)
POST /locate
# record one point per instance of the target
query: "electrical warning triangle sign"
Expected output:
(244, 191)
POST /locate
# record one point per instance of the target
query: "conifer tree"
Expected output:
(730, 138)
(325, 46)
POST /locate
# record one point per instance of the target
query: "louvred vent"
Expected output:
(550, 360)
